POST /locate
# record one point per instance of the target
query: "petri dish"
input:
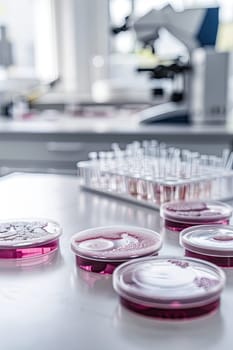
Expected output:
(182, 214)
(102, 249)
(213, 243)
(28, 238)
(169, 287)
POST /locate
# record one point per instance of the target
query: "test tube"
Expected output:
(94, 173)
(156, 172)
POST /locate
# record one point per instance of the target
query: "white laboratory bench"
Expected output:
(58, 306)
(57, 144)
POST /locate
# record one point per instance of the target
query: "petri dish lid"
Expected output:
(15, 233)
(169, 282)
(195, 211)
(214, 240)
(116, 243)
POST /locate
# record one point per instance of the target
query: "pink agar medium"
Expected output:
(183, 214)
(212, 243)
(102, 249)
(172, 313)
(28, 238)
(169, 287)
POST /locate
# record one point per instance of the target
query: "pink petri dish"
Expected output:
(169, 287)
(212, 243)
(182, 214)
(28, 238)
(102, 249)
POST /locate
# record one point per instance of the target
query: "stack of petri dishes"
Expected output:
(164, 287)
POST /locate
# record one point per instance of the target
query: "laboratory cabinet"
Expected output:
(58, 146)
(50, 156)
(62, 156)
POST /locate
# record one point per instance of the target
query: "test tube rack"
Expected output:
(152, 173)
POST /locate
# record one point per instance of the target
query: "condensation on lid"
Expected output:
(213, 240)
(195, 211)
(169, 282)
(28, 232)
(116, 243)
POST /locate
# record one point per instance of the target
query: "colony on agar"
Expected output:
(101, 249)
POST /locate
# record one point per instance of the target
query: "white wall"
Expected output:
(82, 32)
(17, 16)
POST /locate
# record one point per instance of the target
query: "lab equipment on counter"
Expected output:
(169, 287)
(200, 76)
(201, 79)
(101, 249)
(213, 243)
(182, 214)
(25, 239)
(152, 174)
(6, 52)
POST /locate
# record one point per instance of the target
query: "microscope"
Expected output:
(201, 96)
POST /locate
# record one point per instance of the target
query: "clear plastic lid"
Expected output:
(17, 233)
(213, 240)
(196, 211)
(169, 282)
(116, 243)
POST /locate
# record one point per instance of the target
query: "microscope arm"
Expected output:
(186, 26)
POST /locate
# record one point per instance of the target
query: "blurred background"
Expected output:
(74, 41)
(76, 72)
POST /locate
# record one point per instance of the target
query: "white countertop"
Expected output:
(107, 126)
(58, 306)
